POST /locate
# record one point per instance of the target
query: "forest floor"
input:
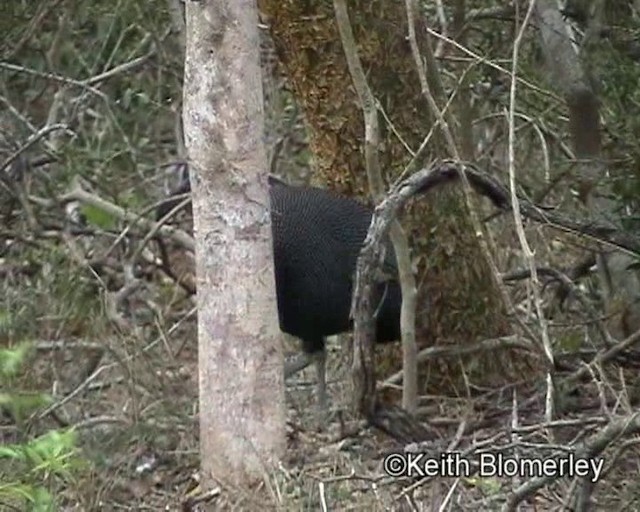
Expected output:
(140, 433)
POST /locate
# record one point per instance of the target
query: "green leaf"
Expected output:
(11, 359)
(98, 217)
(42, 500)
(22, 404)
(12, 452)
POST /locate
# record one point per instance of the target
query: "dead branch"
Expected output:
(397, 235)
(371, 255)
(595, 445)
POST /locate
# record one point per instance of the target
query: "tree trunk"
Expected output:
(240, 360)
(457, 299)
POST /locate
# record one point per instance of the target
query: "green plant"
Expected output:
(31, 468)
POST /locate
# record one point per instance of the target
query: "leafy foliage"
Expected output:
(33, 468)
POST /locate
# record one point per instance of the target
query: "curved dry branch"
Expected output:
(371, 256)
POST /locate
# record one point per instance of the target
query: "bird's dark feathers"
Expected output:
(317, 237)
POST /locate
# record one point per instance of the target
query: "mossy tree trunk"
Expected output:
(457, 299)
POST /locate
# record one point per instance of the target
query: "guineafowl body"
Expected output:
(317, 238)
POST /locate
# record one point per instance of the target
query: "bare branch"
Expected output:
(397, 235)
(528, 255)
(595, 445)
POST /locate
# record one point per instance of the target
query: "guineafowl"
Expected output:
(317, 238)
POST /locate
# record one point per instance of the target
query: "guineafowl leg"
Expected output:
(304, 359)
(320, 360)
(297, 364)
